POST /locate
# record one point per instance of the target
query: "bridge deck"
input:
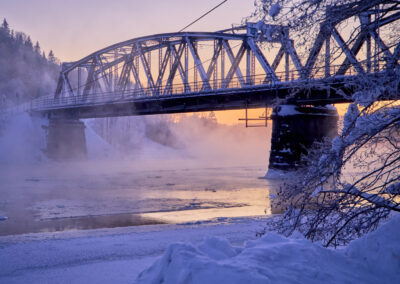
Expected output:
(315, 92)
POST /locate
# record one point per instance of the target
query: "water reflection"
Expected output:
(43, 201)
(76, 223)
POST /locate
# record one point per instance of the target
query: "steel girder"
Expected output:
(222, 60)
(126, 66)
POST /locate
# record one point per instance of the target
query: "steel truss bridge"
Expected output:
(242, 67)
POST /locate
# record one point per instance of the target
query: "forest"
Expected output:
(26, 72)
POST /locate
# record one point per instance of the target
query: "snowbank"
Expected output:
(106, 256)
(380, 251)
(374, 258)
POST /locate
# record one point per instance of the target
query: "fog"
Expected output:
(184, 140)
(189, 140)
(135, 165)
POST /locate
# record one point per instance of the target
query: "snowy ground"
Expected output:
(224, 251)
(374, 258)
(108, 255)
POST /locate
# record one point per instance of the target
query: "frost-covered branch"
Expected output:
(350, 184)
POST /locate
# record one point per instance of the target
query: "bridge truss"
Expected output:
(256, 55)
(178, 63)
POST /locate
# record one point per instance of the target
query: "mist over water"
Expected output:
(22, 140)
(198, 141)
(161, 168)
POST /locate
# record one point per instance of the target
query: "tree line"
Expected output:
(25, 70)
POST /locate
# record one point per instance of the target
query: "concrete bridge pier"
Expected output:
(294, 130)
(66, 139)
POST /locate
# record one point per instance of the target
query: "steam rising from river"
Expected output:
(182, 141)
(184, 168)
(178, 141)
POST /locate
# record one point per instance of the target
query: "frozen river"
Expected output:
(76, 196)
(210, 171)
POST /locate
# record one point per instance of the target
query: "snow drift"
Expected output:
(374, 258)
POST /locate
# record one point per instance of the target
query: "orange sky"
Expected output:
(231, 116)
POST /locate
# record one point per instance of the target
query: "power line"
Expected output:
(220, 4)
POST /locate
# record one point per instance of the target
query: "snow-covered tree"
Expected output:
(351, 183)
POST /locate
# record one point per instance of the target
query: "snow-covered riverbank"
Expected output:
(375, 258)
(108, 255)
(223, 251)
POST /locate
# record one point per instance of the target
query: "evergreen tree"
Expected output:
(37, 47)
(19, 38)
(25, 72)
(28, 43)
(51, 57)
(5, 26)
(4, 31)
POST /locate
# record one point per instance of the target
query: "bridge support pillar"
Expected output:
(66, 139)
(294, 130)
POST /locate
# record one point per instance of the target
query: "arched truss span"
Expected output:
(179, 63)
(196, 62)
